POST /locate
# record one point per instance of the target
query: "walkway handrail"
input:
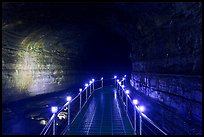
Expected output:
(119, 86)
(89, 87)
(45, 129)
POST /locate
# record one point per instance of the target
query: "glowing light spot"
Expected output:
(43, 122)
(36, 71)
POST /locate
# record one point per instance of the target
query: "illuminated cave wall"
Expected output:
(38, 61)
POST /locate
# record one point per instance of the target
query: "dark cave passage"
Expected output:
(51, 48)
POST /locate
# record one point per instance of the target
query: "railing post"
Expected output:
(117, 84)
(115, 77)
(102, 83)
(54, 125)
(80, 101)
(68, 113)
(127, 94)
(123, 81)
(86, 93)
(80, 91)
(122, 93)
(127, 104)
(135, 131)
(90, 90)
(118, 89)
(140, 125)
(54, 110)
(93, 86)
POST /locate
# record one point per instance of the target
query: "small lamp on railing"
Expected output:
(90, 82)
(127, 92)
(115, 79)
(141, 109)
(101, 81)
(86, 85)
(69, 98)
(122, 86)
(93, 83)
(125, 76)
(54, 110)
(135, 102)
(123, 80)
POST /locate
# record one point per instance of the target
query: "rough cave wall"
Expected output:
(166, 59)
(166, 51)
(37, 65)
(38, 58)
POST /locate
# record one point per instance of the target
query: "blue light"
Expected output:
(93, 80)
(80, 89)
(135, 101)
(115, 77)
(117, 80)
(125, 76)
(123, 79)
(69, 98)
(127, 92)
(141, 108)
(86, 85)
(90, 82)
(122, 86)
(54, 109)
(101, 78)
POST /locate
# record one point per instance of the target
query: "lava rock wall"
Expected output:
(167, 57)
(181, 92)
(39, 59)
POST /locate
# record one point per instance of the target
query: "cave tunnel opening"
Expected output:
(109, 52)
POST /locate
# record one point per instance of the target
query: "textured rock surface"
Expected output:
(37, 57)
(165, 37)
(166, 58)
(181, 92)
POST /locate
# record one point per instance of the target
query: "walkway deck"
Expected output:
(103, 115)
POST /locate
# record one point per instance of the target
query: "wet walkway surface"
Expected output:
(102, 116)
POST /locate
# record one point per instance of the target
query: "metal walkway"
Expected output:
(104, 114)
(101, 110)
